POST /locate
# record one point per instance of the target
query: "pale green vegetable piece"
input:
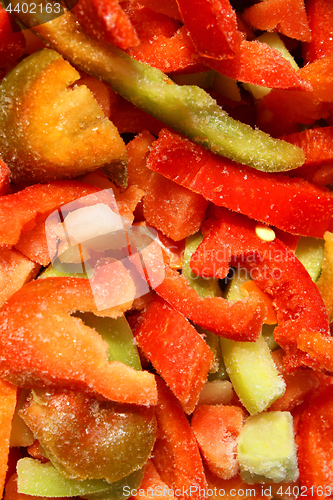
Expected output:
(119, 337)
(250, 365)
(310, 251)
(205, 287)
(253, 374)
(37, 479)
(267, 449)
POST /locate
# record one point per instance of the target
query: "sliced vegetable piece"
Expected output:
(217, 429)
(20, 211)
(43, 480)
(310, 252)
(267, 449)
(152, 486)
(314, 450)
(325, 282)
(84, 138)
(276, 270)
(317, 144)
(174, 210)
(203, 286)
(176, 350)
(253, 374)
(320, 17)
(35, 360)
(240, 321)
(15, 271)
(178, 107)
(176, 455)
(294, 205)
(164, 43)
(12, 44)
(117, 333)
(288, 18)
(280, 112)
(212, 26)
(4, 178)
(7, 408)
(259, 64)
(80, 435)
(273, 40)
(106, 21)
(299, 385)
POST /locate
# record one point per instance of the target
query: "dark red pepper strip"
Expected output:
(291, 204)
(231, 239)
(239, 321)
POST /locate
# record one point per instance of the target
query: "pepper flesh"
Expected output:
(291, 204)
(188, 109)
(231, 238)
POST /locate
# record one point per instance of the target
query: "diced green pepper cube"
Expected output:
(267, 450)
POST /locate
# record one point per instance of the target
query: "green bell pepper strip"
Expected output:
(187, 109)
(38, 479)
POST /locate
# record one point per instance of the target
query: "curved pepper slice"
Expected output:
(4, 178)
(315, 453)
(231, 238)
(293, 205)
(239, 321)
(20, 211)
(41, 344)
(180, 107)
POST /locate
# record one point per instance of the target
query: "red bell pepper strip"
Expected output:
(42, 345)
(15, 271)
(280, 111)
(299, 385)
(212, 26)
(175, 54)
(176, 350)
(320, 17)
(291, 204)
(288, 18)
(231, 238)
(173, 209)
(217, 429)
(239, 321)
(315, 453)
(164, 43)
(317, 144)
(107, 21)
(20, 211)
(152, 485)
(176, 455)
(259, 64)
(12, 45)
(168, 7)
(4, 178)
(7, 404)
